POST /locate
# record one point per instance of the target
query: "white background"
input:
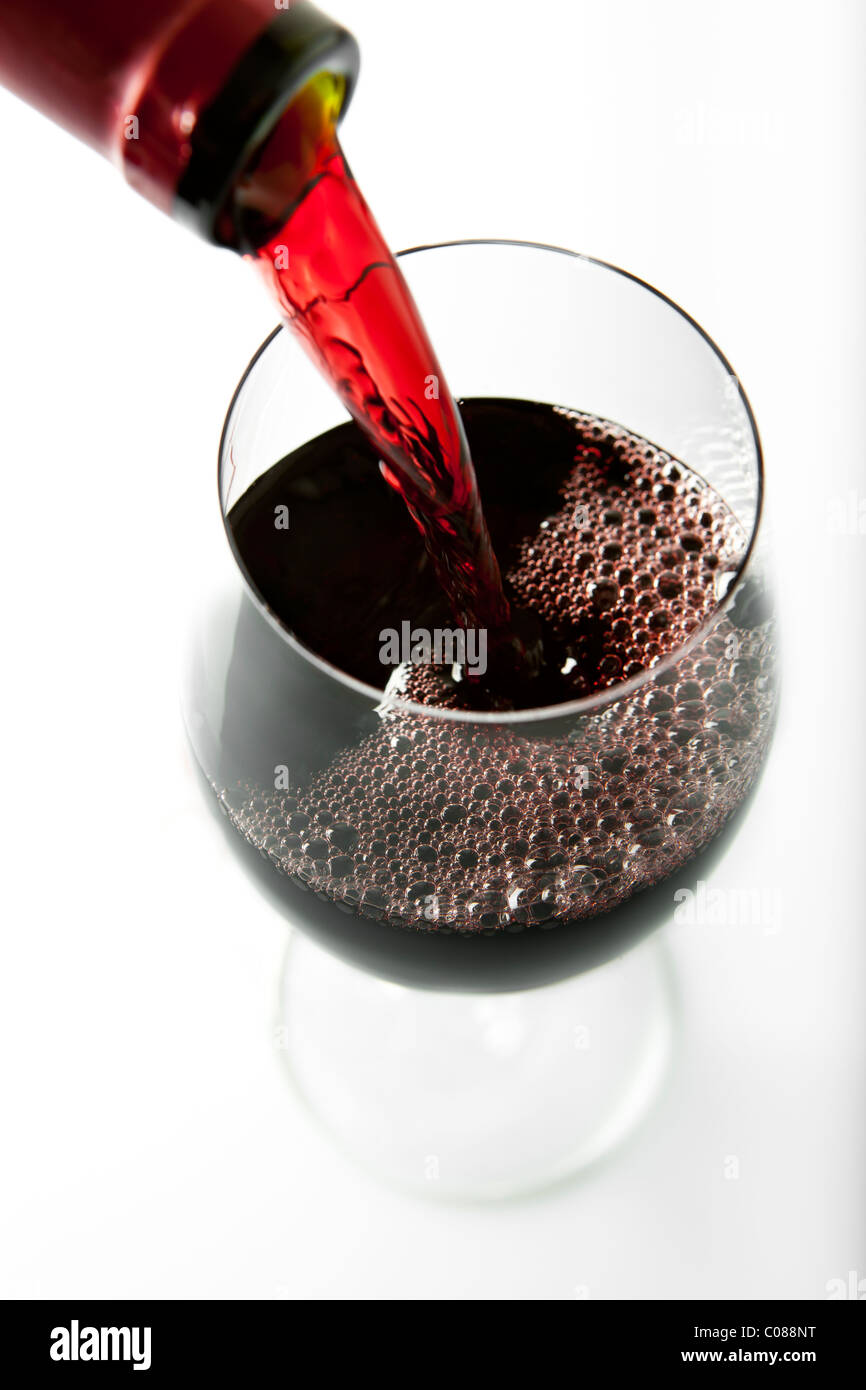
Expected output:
(151, 1145)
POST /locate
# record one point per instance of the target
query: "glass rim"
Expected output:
(586, 704)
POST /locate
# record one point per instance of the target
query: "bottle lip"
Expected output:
(232, 128)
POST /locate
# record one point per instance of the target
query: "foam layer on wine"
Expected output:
(444, 825)
(632, 562)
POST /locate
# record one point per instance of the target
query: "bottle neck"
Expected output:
(181, 94)
(255, 74)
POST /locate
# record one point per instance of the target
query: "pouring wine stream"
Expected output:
(324, 260)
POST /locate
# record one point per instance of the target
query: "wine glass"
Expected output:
(468, 1037)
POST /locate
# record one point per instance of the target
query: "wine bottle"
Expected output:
(181, 94)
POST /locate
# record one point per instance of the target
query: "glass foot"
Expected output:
(477, 1097)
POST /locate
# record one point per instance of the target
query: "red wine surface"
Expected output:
(621, 554)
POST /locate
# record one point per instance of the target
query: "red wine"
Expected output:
(621, 553)
(339, 288)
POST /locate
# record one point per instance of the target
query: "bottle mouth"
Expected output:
(301, 53)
